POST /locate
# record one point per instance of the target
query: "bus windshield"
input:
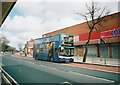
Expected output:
(66, 51)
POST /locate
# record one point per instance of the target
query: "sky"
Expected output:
(32, 18)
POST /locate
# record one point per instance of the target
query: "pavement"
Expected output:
(89, 60)
(92, 60)
(78, 63)
(95, 67)
(113, 62)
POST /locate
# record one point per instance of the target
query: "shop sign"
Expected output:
(110, 33)
(116, 32)
(94, 35)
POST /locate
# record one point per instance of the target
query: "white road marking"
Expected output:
(72, 72)
(31, 62)
(68, 71)
(90, 76)
(20, 60)
(48, 67)
(26, 61)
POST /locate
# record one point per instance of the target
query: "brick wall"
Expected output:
(30, 46)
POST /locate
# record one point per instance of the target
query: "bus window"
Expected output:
(66, 39)
(66, 52)
(71, 39)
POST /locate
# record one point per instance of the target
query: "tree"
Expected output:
(3, 43)
(20, 47)
(96, 14)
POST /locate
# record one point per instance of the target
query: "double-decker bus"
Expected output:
(57, 48)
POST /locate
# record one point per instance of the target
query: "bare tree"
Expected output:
(95, 14)
(20, 48)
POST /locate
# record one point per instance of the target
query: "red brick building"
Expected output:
(29, 47)
(105, 42)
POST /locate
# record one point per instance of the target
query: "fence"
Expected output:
(101, 61)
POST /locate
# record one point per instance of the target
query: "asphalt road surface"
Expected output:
(27, 71)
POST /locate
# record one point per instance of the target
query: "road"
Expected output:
(26, 71)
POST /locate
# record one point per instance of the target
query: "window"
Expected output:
(67, 52)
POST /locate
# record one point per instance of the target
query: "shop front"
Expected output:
(105, 43)
(115, 50)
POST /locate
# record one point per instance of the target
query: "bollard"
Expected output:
(105, 60)
(92, 60)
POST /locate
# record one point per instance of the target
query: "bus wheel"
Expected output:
(51, 59)
(36, 57)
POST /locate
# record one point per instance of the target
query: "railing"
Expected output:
(100, 60)
(7, 79)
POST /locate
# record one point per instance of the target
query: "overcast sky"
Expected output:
(32, 18)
